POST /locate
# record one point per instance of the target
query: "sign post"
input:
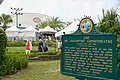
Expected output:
(89, 54)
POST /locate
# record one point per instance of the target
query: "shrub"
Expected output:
(50, 53)
(34, 53)
(118, 46)
(12, 63)
(21, 44)
(16, 52)
(3, 43)
(15, 44)
(43, 53)
(50, 43)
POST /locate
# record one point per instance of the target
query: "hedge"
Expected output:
(118, 46)
(21, 44)
(34, 53)
(45, 57)
(13, 63)
(15, 44)
(3, 43)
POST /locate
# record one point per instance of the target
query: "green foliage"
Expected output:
(13, 63)
(35, 43)
(56, 23)
(118, 46)
(43, 24)
(109, 22)
(3, 43)
(50, 53)
(115, 29)
(41, 70)
(15, 44)
(35, 53)
(21, 44)
(50, 43)
(16, 52)
(5, 19)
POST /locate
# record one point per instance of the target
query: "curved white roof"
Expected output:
(28, 19)
(48, 29)
(68, 30)
(30, 29)
(13, 29)
(40, 30)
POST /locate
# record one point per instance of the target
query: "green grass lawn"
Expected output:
(40, 71)
(12, 49)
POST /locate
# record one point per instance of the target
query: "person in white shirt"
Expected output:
(49, 38)
(59, 46)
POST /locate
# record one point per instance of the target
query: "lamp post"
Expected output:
(1, 1)
(17, 12)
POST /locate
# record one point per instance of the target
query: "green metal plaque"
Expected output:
(88, 54)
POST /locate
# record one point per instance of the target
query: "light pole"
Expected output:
(17, 12)
(1, 1)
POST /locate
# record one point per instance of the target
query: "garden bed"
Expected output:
(46, 57)
(22, 44)
(13, 63)
(41, 56)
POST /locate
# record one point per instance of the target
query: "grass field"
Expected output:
(40, 71)
(12, 49)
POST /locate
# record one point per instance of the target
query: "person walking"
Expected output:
(59, 46)
(30, 45)
(45, 45)
(27, 47)
(40, 46)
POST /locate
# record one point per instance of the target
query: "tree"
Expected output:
(110, 24)
(3, 43)
(109, 21)
(5, 19)
(43, 24)
(55, 23)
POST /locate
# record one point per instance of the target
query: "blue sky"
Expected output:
(66, 10)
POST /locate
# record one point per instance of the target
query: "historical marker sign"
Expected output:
(89, 55)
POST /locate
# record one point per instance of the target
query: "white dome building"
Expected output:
(24, 21)
(29, 19)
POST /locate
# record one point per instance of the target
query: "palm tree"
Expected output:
(55, 23)
(108, 21)
(43, 24)
(5, 19)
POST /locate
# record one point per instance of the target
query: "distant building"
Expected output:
(24, 21)
(29, 19)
